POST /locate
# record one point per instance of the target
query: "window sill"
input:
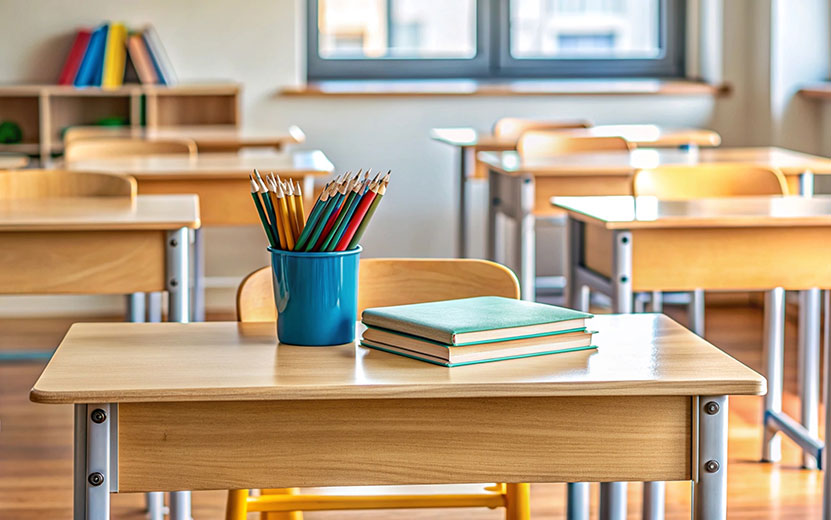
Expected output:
(530, 87)
(821, 91)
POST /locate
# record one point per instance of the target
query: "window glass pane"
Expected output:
(359, 29)
(585, 29)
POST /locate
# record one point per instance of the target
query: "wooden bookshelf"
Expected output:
(44, 111)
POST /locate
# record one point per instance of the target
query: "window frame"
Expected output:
(493, 60)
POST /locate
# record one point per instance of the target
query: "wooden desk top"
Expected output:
(146, 212)
(626, 163)
(10, 161)
(623, 212)
(227, 135)
(641, 135)
(645, 354)
(218, 165)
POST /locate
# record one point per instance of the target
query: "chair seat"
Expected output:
(427, 489)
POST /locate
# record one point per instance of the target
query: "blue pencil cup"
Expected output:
(316, 296)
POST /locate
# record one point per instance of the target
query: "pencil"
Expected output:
(255, 188)
(301, 212)
(313, 217)
(288, 191)
(352, 237)
(278, 221)
(267, 203)
(343, 217)
(326, 217)
(340, 198)
(284, 216)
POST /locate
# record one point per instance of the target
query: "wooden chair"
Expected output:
(38, 184)
(709, 180)
(513, 127)
(546, 143)
(108, 147)
(385, 281)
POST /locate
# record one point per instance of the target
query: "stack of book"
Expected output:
(475, 330)
(104, 56)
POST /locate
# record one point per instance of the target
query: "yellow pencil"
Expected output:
(288, 190)
(286, 220)
(301, 212)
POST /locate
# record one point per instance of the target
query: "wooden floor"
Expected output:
(36, 451)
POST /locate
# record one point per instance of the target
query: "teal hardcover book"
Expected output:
(438, 361)
(469, 321)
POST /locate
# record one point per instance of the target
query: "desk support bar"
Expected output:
(781, 422)
(774, 344)
(710, 491)
(95, 460)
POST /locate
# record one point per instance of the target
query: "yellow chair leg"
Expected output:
(236, 507)
(518, 502)
(288, 515)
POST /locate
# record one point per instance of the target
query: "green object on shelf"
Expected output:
(10, 132)
(112, 121)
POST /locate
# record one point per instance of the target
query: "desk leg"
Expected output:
(809, 346)
(135, 307)
(710, 490)
(154, 307)
(178, 289)
(657, 301)
(198, 276)
(494, 245)
(465, 154)
(826, 485)
(613, 494)
(95, 468)
(774, 365)
(697, 312)
(577, 501)
(526, 239)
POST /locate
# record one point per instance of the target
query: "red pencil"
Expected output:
(357, 217)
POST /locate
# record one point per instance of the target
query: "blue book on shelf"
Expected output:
(89, 73)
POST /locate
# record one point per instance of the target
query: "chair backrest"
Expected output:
(44, 184)
(107, 147)
(543, 143)
(76, 133)
(513, 127)
(394, 281)
(709, 180)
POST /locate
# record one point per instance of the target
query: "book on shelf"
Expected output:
(115, 56)
(73, 59)
(140, 58)
(161, 62)
(89, 72)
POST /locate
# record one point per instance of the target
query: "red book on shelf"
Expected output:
(73, 60)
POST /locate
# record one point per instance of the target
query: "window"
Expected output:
(371, 39)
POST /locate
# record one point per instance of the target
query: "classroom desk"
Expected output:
(214, 138)
(521, 189)
(470, 141)
(623, 245)
(220, 180)
(100, 245)
(219, 405)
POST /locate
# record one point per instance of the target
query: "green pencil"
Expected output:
(331, 206)
(255, 188)
(313, 216)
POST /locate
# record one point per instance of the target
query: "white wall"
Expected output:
(259, 43)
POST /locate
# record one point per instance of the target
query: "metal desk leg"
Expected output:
(654, 498)
(809, 345)
(657, 301)
(577, 296)
(154, 307)
(135, 307)
(710, 474)
(95, 460)
(697, 312)
(493, 246)
(178, 289)
(613, 494)
(577, 501)
(465, 155)
(826, 485)
(774, 365)
(198, 300)
(613, 501)
(526, 239)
